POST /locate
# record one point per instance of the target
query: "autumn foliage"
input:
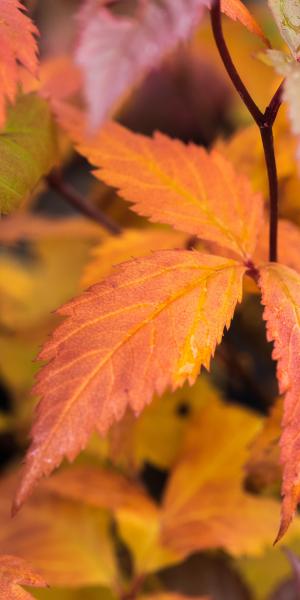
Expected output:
(149, 300)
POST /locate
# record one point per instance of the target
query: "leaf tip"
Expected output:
(289, 504)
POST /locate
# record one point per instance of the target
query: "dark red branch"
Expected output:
(274, 106)
(264, 121)
(268, 144)
(81, 204)
(216, 23)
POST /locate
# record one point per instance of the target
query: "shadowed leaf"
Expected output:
(27, 150)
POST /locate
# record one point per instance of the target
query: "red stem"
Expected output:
(268, 144)
(264, 121)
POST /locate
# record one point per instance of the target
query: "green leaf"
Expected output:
(27, 150)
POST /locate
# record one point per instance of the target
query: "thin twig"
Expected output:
(264, 121)
(77, 201)
(274, 106)
(134, 588)
(216, 22)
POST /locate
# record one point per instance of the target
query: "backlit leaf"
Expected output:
(15, 572)
(182, 185)
(18, 50)
(236, 10)
(27, 150)
(149, 326)
(281, 297)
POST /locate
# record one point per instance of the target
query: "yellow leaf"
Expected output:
(205, 505)
(17, 354)
(33, 287)
(157, 435)
(264, 572)
(141, 532)
(99, 593)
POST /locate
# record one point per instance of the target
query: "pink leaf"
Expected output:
(114, 52)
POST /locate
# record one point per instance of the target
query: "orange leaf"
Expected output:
(149, 326)
(182, 185)
(107, 489)
(15, 572)
(280, 287)
(237, 11)
(18, 50)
